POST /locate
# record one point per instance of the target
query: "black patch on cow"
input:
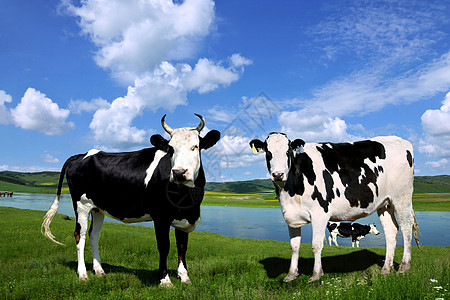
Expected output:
(301, 166)
(316, 195)
(338, 193)
(409, 158)
(348, 160)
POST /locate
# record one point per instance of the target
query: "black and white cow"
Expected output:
(354, 230)
(318, 182)
(164, 184)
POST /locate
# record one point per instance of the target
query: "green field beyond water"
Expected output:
(32, 267)
(431, 193)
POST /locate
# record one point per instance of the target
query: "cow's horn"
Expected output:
(202, 123)
(166, 127)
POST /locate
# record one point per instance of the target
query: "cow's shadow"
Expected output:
(147, 277)
(345, 263)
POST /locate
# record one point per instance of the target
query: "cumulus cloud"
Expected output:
(37, 112)
(135, 36)
(436, 140)
(143, 43)
(5, 117)
(166, 87)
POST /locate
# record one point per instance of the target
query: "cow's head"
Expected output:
(279, 153)
(373, 229)
(184, 146)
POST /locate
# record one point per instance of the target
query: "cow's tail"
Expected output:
(415, 230)
(45, 227)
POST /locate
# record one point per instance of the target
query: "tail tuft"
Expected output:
(48, 219)
(415, 231)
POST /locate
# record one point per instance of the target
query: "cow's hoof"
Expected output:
(99, 273)
(386, 271)
(84, 277)
(316, 277)
(290, 277)
(404, 268)
(165, 282)
(186, 280)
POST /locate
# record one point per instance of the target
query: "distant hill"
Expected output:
(47, 182)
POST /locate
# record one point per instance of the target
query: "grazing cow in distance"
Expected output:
(164, 184)
(354, 230)
(318, 182)
(9, 194)
(2, 194)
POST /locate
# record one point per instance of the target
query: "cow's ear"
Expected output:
(297, 146)
(258, 146)
(159, 142)
(210, 139)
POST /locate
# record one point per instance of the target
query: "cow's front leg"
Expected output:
(318, 228)
(295, 235)
(182, 242)
(162, 230)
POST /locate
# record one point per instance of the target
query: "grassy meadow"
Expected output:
(32, 267)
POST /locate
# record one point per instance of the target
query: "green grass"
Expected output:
(32, 267)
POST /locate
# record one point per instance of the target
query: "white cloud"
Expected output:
(166, 87)
(5, 117)
(436, 128)
(37, 112)
(79, 106)
(135, 36)
(314, 125)
(48, 158)
(139, 42)
(394, 31)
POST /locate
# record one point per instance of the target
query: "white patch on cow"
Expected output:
(278, 146)
(362, 175)
(84, 207)
(186, 145)
(91, 152)
(165, 282)
(184, 225)
(373, 229)
(183, 273)
(151, 169)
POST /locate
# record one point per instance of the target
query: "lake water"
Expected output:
(259, 223)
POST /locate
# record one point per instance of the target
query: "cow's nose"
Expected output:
(277, 176)
(179, 174)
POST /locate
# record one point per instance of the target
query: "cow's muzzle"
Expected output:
(277, 176)
(179, 175)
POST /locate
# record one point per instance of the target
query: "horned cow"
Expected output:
(164, 184)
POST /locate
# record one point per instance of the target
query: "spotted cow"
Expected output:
(164, 184)
(346, 230)
(318, 182)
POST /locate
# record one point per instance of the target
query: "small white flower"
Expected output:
(433, 280)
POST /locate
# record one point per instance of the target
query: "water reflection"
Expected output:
(259, 223)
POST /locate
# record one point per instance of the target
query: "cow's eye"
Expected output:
(194, 148)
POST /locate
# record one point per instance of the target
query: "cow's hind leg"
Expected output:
(405, 216)
(83, 209)
(182, 242)
(390, 227)
(295, 235)
(94, 233)
(318, 228)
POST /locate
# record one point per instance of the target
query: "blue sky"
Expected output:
(95, 74)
